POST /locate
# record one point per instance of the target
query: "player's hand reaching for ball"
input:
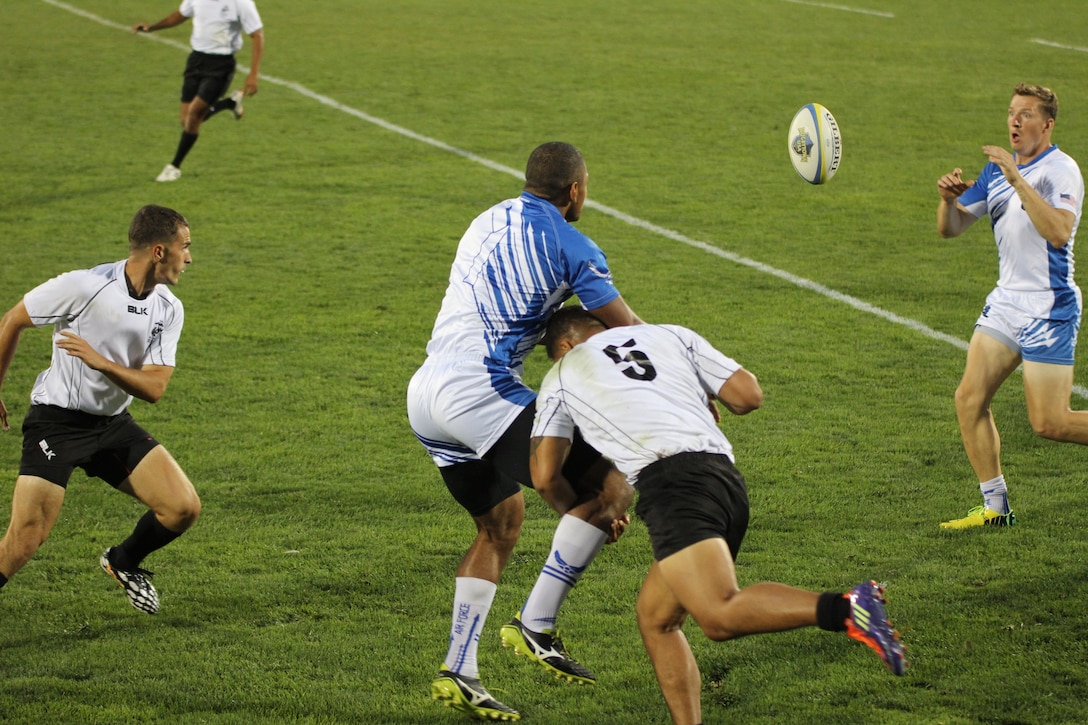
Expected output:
(951, 186)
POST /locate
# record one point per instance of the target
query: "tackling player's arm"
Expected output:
(146, 383)
(952, 218)
(741, 393)
(12, 325)
(546, 457)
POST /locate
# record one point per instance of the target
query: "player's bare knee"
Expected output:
(501, 531)
(718, 620)
(717, 631)
(23, 542)
(967, 399)
(1050, 429)
(182, 513)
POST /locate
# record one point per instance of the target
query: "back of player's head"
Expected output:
(572, 322)
(154, 224)
(552, 168)
(1048, 99)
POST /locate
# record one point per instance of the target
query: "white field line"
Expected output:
(844, 8)
(1052, 44)
(634, 221)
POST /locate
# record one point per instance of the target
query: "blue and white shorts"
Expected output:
(459, 408)
(1008, 318)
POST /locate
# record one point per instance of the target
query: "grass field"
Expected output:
(316, 587)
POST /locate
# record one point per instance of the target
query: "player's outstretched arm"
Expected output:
(174, 18)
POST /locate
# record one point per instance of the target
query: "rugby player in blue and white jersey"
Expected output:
(115, 335)
(639, 395)
(1033, 197)
(515, 265)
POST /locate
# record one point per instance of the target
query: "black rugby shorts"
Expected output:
(207, 76)
(56, 441)
(481, 485)
(691, 497)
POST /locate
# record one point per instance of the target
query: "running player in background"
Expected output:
(217, 35)
(115, 335)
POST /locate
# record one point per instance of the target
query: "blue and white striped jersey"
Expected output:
(515, 265)
(1027, 262)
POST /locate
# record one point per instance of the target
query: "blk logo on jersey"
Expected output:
(45, 449)
(133, 309)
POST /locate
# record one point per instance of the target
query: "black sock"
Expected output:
(3, 581)
(832, 611)
(186, 143)
(223, 104)
(149, 535)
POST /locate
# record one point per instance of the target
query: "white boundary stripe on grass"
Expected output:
(844, 8)
(793, 279)
(1052, 44)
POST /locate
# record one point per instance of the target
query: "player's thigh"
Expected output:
(657, 608)
(35, 505)
(990, 360)
(480, 488)
(161, 485)
(198, 109)
(1047, 388)
(702, 577)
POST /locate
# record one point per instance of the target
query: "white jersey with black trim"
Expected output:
(1027, 262)
(218, 25)
(95, 304)
(638, 394)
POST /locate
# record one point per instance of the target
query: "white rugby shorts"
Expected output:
(1011, 318)
(455, 410)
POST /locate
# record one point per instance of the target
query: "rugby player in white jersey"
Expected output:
(218, 26)
(1033, 197)
(639, 395)
(115, 335)
(467, 404)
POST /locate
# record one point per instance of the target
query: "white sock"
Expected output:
(471, 602)
(995, 493)
(574, 546)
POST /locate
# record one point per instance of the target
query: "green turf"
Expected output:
(316, 587)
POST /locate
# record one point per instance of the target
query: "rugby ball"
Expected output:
(815, 144)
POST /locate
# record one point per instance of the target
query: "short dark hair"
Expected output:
(565, 322)
(1048, 97)
(154, 224)
(552, 168)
